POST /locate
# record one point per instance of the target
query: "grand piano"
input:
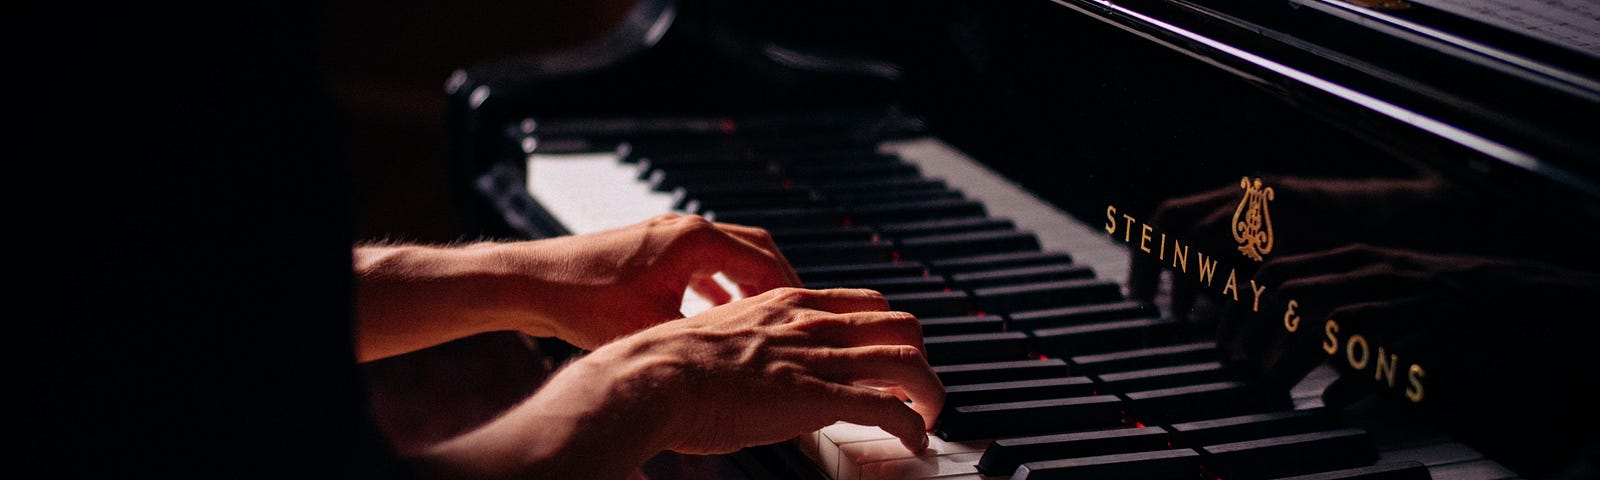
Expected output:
(1225, 239)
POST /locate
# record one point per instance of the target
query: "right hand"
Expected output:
(771, 367)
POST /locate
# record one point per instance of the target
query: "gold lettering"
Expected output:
(1144, 238)
(1206, 273)
(1163, 254)
(1350, 352)
(1180, 256)
(1414, 392)
(1127, 233)
(1291, 322)
(1386, 365)
(1233, 284)
(1255, 305)
(1111, 219)
(1332, 345)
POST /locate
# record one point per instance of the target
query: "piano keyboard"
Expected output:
(1050, 372)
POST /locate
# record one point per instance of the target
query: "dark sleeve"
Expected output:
(201, 223)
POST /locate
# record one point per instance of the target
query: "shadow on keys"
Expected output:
(1436, 306)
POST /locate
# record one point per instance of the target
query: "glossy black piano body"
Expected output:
(1417, 212)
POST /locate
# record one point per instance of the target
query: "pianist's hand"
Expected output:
(584, 289)
(612, 283)
(755, 371)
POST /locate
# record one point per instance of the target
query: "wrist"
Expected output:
(569, 428)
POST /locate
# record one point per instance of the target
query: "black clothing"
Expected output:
(207, 220)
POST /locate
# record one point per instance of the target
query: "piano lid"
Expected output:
(1320, 181)
(1515, 83)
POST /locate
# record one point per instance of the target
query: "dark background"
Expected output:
(387, 62)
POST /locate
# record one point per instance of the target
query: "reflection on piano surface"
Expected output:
(1179, 239)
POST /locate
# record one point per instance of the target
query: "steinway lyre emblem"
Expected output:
(1252, 225)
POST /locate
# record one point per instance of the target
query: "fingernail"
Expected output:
(922, 445)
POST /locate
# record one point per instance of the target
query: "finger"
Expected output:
(900, 366)
(761, 239)
(753, 269)
(708, 288)
(870, 407)
(864, 328)
(898, 392)
(843, 300)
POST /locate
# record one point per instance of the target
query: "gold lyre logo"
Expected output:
(1252, 225)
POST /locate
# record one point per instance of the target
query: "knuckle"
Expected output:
(791, 295)
(812, 321)
(876, 298)
(902, 319)
(784, 370)
(761, 235)
(905, 354)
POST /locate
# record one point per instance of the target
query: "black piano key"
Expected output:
(997, 261)
(1251, 427)
(931, 304)
(1175, 464)
(1012, 276)
(976, 347)
(1004, 455)
(648, 166)
(1209, 400)
(780, 217)
(712, 160)
(893, 184)
(1478, 470)
(916, 210)
(1287, 455)
(963, 325)
(1433, 454)
(695, 180)
(1018, 391)
(1164, 377)
(702, 205)
(854, 233)
(830, 172)
(829, 273)
(944, 226)
(700, 199)
(985, 372)
(1037, 296)
(1081, 314)
(826, 253)
(929, 192)
(905, 284)
(1029, 418)
(968, 244)
(1381, 471)
(1101, 337)
(1152, 357)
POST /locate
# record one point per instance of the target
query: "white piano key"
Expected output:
(590, 192)
(855, 459)
(910, 468)
(831, 437)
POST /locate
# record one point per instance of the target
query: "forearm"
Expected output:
(592, 420)
(410, 297)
